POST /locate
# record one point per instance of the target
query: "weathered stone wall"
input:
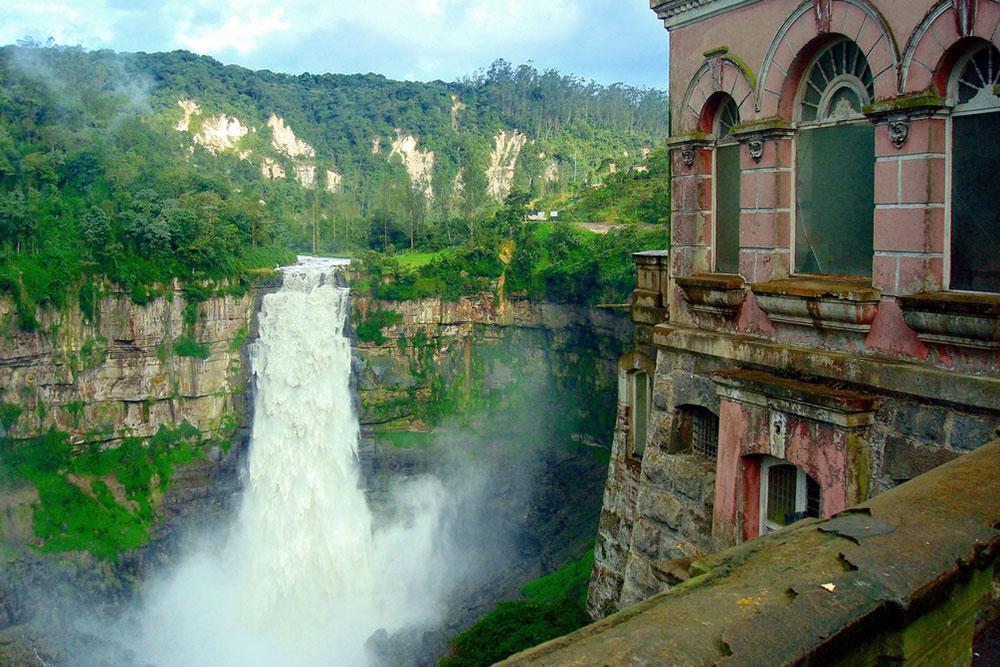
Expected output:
(538, 379)
(113, 376)
(668, 512)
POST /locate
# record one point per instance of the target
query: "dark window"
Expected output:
(640, 413)
(788, 494)
(698, 431)
(835, 200)
(813, 504)
(727, 209)
(781, 481)
(835, 164)
(975, 214)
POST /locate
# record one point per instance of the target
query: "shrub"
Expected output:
(188, 347)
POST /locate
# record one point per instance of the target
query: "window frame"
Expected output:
(958, 110)
(801, 492)
(824, 121)
(636, 447)
(727, 141)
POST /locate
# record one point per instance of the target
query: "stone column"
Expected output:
(910, 183)
(765, 203)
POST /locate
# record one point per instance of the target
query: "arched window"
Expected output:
(975, 217)
(787, 494)
(697, 431)
(835, 158)
(727, 189)
(838, 85)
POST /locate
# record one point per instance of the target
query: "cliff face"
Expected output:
(116, 425)
(520, 392)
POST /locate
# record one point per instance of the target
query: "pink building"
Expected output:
(826, 323)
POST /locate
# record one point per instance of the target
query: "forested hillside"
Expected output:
(156, 165)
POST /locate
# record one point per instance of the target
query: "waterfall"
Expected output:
(305, 576)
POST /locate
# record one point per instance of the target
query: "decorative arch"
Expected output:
(805, 32)
(720, 73)
(936, 44)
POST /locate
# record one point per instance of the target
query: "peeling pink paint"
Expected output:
(890, 334)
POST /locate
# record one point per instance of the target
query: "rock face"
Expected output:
(503, 162)
(285, 141)
(221, 133)
(119, 374)
(419, 163)
(523, 391)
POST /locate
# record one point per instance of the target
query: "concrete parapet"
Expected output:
(898, 579)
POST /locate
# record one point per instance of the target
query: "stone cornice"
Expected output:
(680, 13)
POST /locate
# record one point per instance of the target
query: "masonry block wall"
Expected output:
(857, 375)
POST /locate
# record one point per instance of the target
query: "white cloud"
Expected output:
(421, 39)
(61, 21)
(244, 28)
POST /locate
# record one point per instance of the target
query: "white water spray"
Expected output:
(304, 579)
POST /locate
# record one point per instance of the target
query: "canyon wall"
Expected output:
(120, 423)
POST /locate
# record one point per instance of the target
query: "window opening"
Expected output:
(835, 158)
(838, 85)
(640, 413)
(727, 191)
(698, 431)
(975, 217)
(975, 81)
(787, 494)
(727, 118)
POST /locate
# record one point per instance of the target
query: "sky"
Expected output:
(605, 40)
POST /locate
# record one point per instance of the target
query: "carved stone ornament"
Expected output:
(822, 12)
(965, 16)
(687, 156)
(756, 148)
(899, 132)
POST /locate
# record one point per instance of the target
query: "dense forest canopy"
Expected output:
(146, 167)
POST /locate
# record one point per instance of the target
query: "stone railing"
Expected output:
(901, 578)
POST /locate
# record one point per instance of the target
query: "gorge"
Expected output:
(514, 498)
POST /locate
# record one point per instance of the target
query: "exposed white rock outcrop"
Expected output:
(305, 174)
(221, 133)
(503, 162)
(271, 169)
(218, 134)
(190, 108)
(334, 181)
(419, 163)
(284, 140)
(376, 145)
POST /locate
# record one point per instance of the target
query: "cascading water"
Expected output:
(304, 577)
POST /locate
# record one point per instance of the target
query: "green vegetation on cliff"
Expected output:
(639, 195)
(550, 262)
(554, 605)
(94, 499)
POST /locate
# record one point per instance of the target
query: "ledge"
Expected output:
(813, 400)
(713, 293)
(884, 374)
(838, 589)
(843, 304)
(954, 318)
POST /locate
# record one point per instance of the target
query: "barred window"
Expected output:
(787, 494)
(698, 431)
